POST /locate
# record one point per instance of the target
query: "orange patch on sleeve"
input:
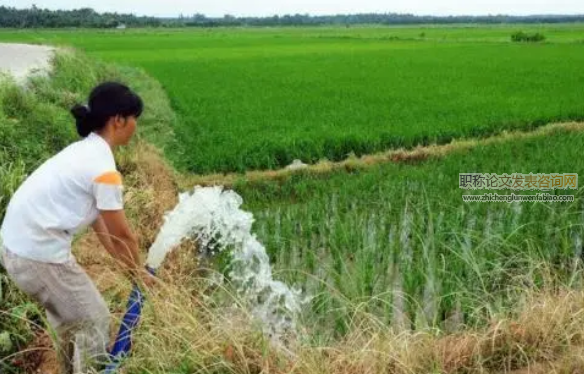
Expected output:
(112, 177)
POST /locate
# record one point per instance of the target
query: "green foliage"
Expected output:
(14, 332)
(30, 130)
(17, 320)
(520, 36)
(11, 176)
(36, 17)
(372, 234)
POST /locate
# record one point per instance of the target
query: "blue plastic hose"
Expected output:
(123, 343)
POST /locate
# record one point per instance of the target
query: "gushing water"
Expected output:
(213, 218)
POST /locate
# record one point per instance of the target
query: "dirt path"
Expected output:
(21, 60)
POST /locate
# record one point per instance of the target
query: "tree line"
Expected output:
(43, 18)
(370, 18)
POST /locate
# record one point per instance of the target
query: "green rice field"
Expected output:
(260, 98)
(399, 238)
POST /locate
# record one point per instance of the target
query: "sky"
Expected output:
(314, 7)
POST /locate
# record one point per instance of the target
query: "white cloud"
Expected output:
(271, 7)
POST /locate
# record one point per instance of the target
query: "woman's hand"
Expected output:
(147, 280)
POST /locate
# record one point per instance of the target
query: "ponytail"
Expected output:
(82, 120)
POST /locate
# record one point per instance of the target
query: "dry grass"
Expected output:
(415, 155)
(180, 331)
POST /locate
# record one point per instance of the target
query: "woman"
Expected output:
(78, 186)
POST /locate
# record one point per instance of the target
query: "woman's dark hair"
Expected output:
(107, 100)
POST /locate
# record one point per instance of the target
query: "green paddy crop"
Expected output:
(260, 98)
(399, 241)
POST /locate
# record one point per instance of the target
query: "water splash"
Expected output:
(212, 217)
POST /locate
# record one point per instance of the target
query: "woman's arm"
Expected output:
(112, 226)
(118, 239)
(102, 234)
(115, 235)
